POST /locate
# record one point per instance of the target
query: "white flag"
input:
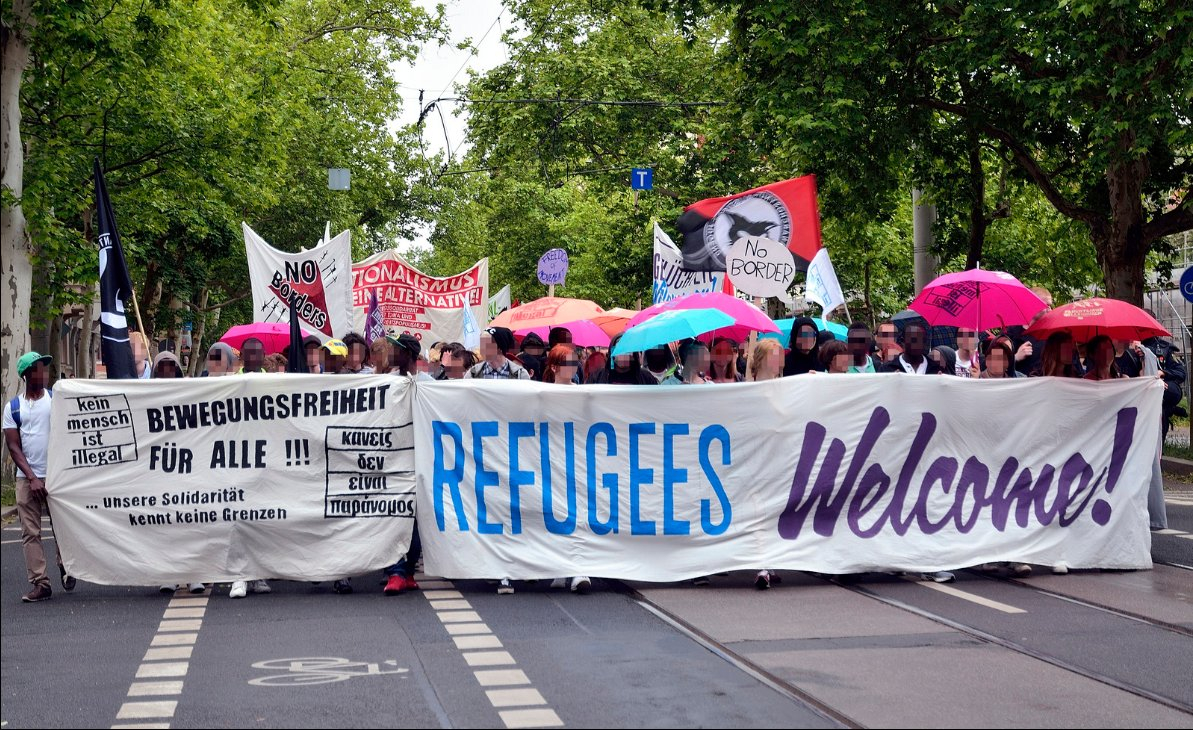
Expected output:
(499, 302)
(471, 336)
(823, 287)
(318, 281)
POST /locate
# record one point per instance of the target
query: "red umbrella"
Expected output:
(1089, 318)
(274, 335)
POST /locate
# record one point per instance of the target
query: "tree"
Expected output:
(1086, 100)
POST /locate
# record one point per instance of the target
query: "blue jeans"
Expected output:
(405, 566)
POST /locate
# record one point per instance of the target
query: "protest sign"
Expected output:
(428, 307)
(670, 279)
(298, 477)
(835, 475)
(553, 267)
(760, 267)
(316, 280)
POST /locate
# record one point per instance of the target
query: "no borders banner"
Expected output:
(318, 279)
(428, 307)
(300, 477)
(829, 474)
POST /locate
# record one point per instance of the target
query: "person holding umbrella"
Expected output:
(623, 369)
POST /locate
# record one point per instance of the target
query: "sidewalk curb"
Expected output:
(1173, 465)
(4, 513)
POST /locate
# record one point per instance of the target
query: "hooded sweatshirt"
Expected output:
(167, 356)
(636, 375)
(798, 363)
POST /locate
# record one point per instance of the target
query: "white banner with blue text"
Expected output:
(302, 477)
(816, 472)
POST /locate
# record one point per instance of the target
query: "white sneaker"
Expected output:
(239, 589)
(1060, 569)
(940, 576)
(260, 586)
(167, 588)
(504, 588)
(197, 588)
(581, 584)
(559, 583)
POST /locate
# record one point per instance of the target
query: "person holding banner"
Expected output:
(358, 354)
(1060, 357)
(914, 360)
(455, 360)
(26, 426)
(804, 354)
(835, 357)
(967, 364)
(1000, 359)
(860, 342)
(220, 360)
(767, 360)
(695, 362)
(252, 353)
(724, 361)
(659, 362)
(496, 342)
(888, 344)
(561, 368)
(313, 347)
(623, 369)
(1099, 359)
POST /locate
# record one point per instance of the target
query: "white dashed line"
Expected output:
(174, 641)
(966, 596)
(480, 648)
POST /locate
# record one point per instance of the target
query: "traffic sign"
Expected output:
(642, 178)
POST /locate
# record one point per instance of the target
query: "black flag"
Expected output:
(296, 354)
(115, 288)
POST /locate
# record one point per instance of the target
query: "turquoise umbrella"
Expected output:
(670, 326)
(840, 331)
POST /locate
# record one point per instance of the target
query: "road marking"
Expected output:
(1186, 536)
(965, 596)
(499, 677)
(145, 689)
(168, 652)
(163, 669)
(174, 641)
(1169, 531)
(522, 697)
(477, 641)
(531, 718)
(146, 710)
(461, 629)
(453, 605)
(470, 634)
(488, 658)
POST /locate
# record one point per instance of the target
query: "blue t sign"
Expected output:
(642, 178)
(1187, 284)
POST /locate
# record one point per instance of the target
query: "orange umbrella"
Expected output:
(547, 312)
(614, 321)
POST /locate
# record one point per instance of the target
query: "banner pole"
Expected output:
(550, 290)
(137, 310)
(752, 343)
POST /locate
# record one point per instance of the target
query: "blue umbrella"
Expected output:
(840, 331)
(670, 326)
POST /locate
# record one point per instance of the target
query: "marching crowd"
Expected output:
(907, 346)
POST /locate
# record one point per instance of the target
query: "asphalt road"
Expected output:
(1088, 649)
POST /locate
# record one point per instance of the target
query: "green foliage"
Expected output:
(206, 113)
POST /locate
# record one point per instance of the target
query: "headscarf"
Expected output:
(798, 363)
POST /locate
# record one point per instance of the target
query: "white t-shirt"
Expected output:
(34, 430)
(962, 369)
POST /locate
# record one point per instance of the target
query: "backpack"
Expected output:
(14, 406)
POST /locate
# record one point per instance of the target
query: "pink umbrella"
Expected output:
(274, 335)
(978, 299)
(746, 317)
(584, 333)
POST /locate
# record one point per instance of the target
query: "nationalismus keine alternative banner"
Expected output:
(303, 477)
(830, 474)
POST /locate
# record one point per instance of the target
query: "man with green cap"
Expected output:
(27, 433)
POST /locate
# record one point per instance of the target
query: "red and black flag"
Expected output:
(115, 288)
(784, 211)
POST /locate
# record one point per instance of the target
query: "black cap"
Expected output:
(503, 337)
(410, 343)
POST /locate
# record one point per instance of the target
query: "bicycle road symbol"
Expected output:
(320, 670)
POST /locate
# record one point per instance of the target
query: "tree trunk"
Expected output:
(1119, 242)
(14, 238)
(198, 350)
(84, 360)
(977, 201)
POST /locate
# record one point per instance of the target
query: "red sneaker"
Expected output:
(395, 585)
(411, 585)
